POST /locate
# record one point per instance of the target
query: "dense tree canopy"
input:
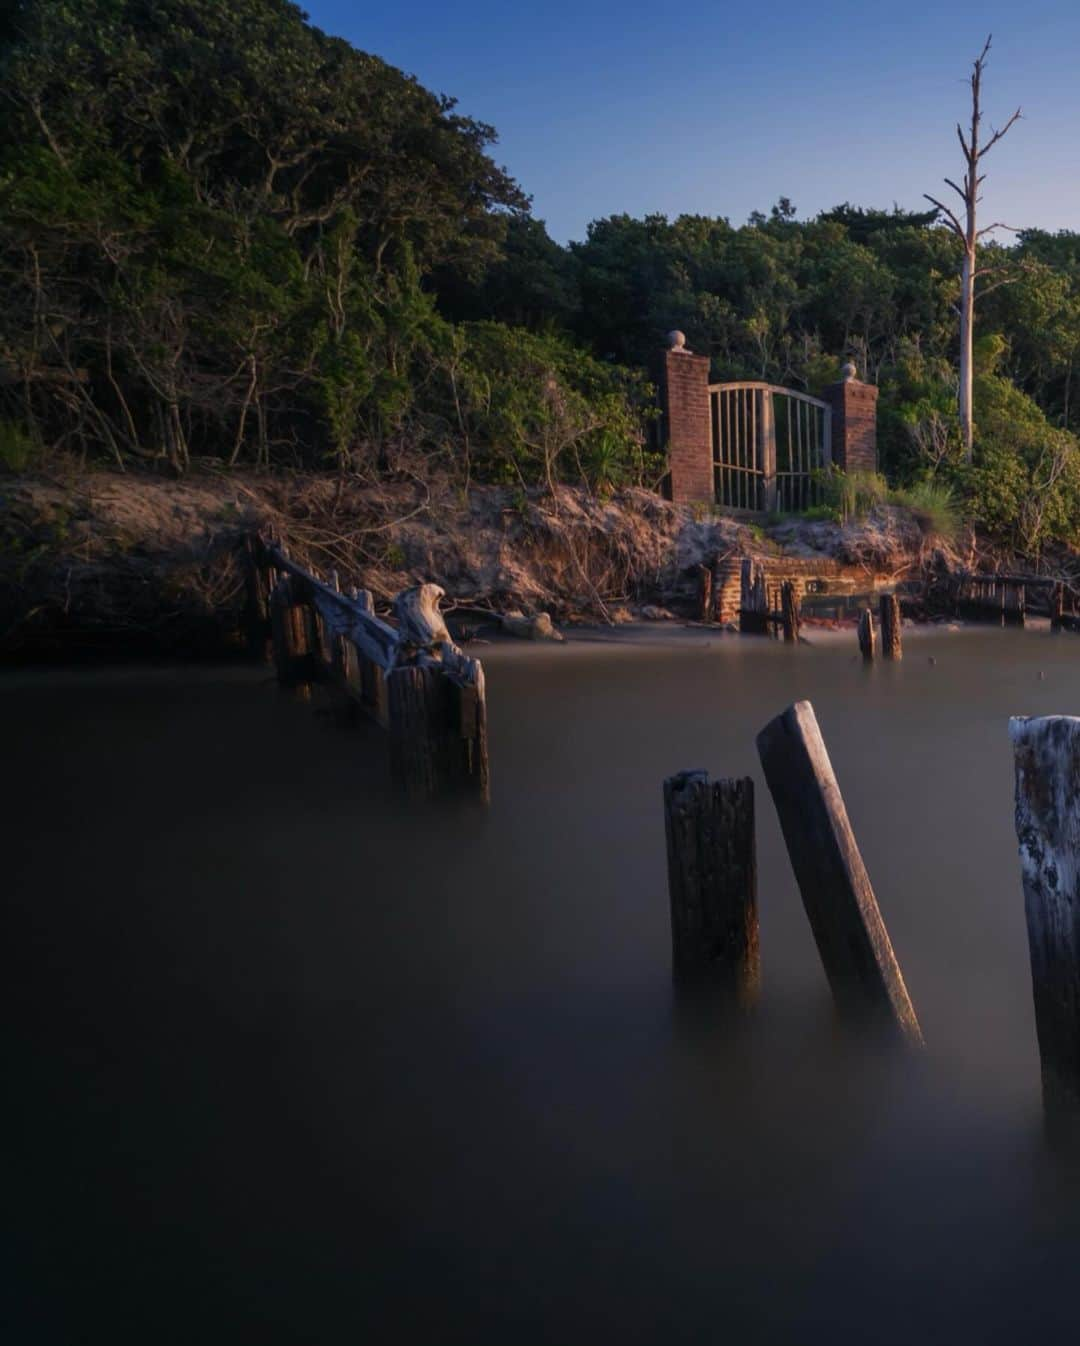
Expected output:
(226, 235)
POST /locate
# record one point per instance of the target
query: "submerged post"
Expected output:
(867, 635)
(891, 644)
(705, 589)
(851, 937)
(712, 880)
(789, 609)
(289, 635)
(1046, 752)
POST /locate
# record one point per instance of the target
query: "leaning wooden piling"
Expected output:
(843, 912)
(1046, 752)
(712, 881)
(867, 635)
(889, 612)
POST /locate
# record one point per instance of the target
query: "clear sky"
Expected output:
(720, 108)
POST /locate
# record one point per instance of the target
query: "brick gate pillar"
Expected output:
(687, 423)
(854, 422)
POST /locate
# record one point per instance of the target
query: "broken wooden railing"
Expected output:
(411, 678)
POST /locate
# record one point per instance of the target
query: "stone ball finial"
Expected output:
(677, 341)
(848, 372)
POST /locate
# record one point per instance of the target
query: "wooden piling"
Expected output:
(712, 881)
(1057, 607)
(1046, 752)
(867, 635)
(257, 587)
(851, 937)
(705, 587)
(789, 608)
(289, 635)
(891, 642)
(753, 603)
(438, 729)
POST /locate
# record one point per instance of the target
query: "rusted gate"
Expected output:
(770, 445)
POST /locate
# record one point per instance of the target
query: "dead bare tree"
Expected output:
(969, 235)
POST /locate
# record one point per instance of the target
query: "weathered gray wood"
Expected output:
(891, 641)
(420, 623)
(417, 712)
(712, 880)
(1046, 753)
(789, 608)
(851, 937)
(867, 635)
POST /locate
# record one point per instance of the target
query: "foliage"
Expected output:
(225, 235)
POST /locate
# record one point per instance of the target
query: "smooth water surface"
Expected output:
(288, 1062)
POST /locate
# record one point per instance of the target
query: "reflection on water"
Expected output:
(291, 1064)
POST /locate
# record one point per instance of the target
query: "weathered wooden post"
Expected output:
(891, 643)
(1057, 607)
(867, 635)
(289, 635)
(789, 609)
(1046, 753)
(851, 937)
(754, 602)
(712, 880)
(257, 585)
(705, 586)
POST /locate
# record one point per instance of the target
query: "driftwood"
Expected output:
(712, 880)
(539, 627)
(891, 641)
(851, 937)
(1046, 753)
(420, 623)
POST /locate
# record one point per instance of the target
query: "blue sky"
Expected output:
(720, 108)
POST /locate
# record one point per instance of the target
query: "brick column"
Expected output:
(687, 425)
(854, 423)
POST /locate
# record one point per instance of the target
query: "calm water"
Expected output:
(288, 1064)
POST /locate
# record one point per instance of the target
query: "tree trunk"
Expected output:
(967, 330)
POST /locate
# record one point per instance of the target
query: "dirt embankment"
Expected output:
(108, 563)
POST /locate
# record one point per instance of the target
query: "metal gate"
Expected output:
(770, 445)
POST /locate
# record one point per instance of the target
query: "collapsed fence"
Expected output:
(410, 678)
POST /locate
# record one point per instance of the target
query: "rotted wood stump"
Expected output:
(891, 640)
(712, 881)
(1046, 753)
(867, 635)
(854, 945)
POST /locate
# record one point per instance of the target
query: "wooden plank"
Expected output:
(712, 881)
(1046, 752)
(843, 912)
